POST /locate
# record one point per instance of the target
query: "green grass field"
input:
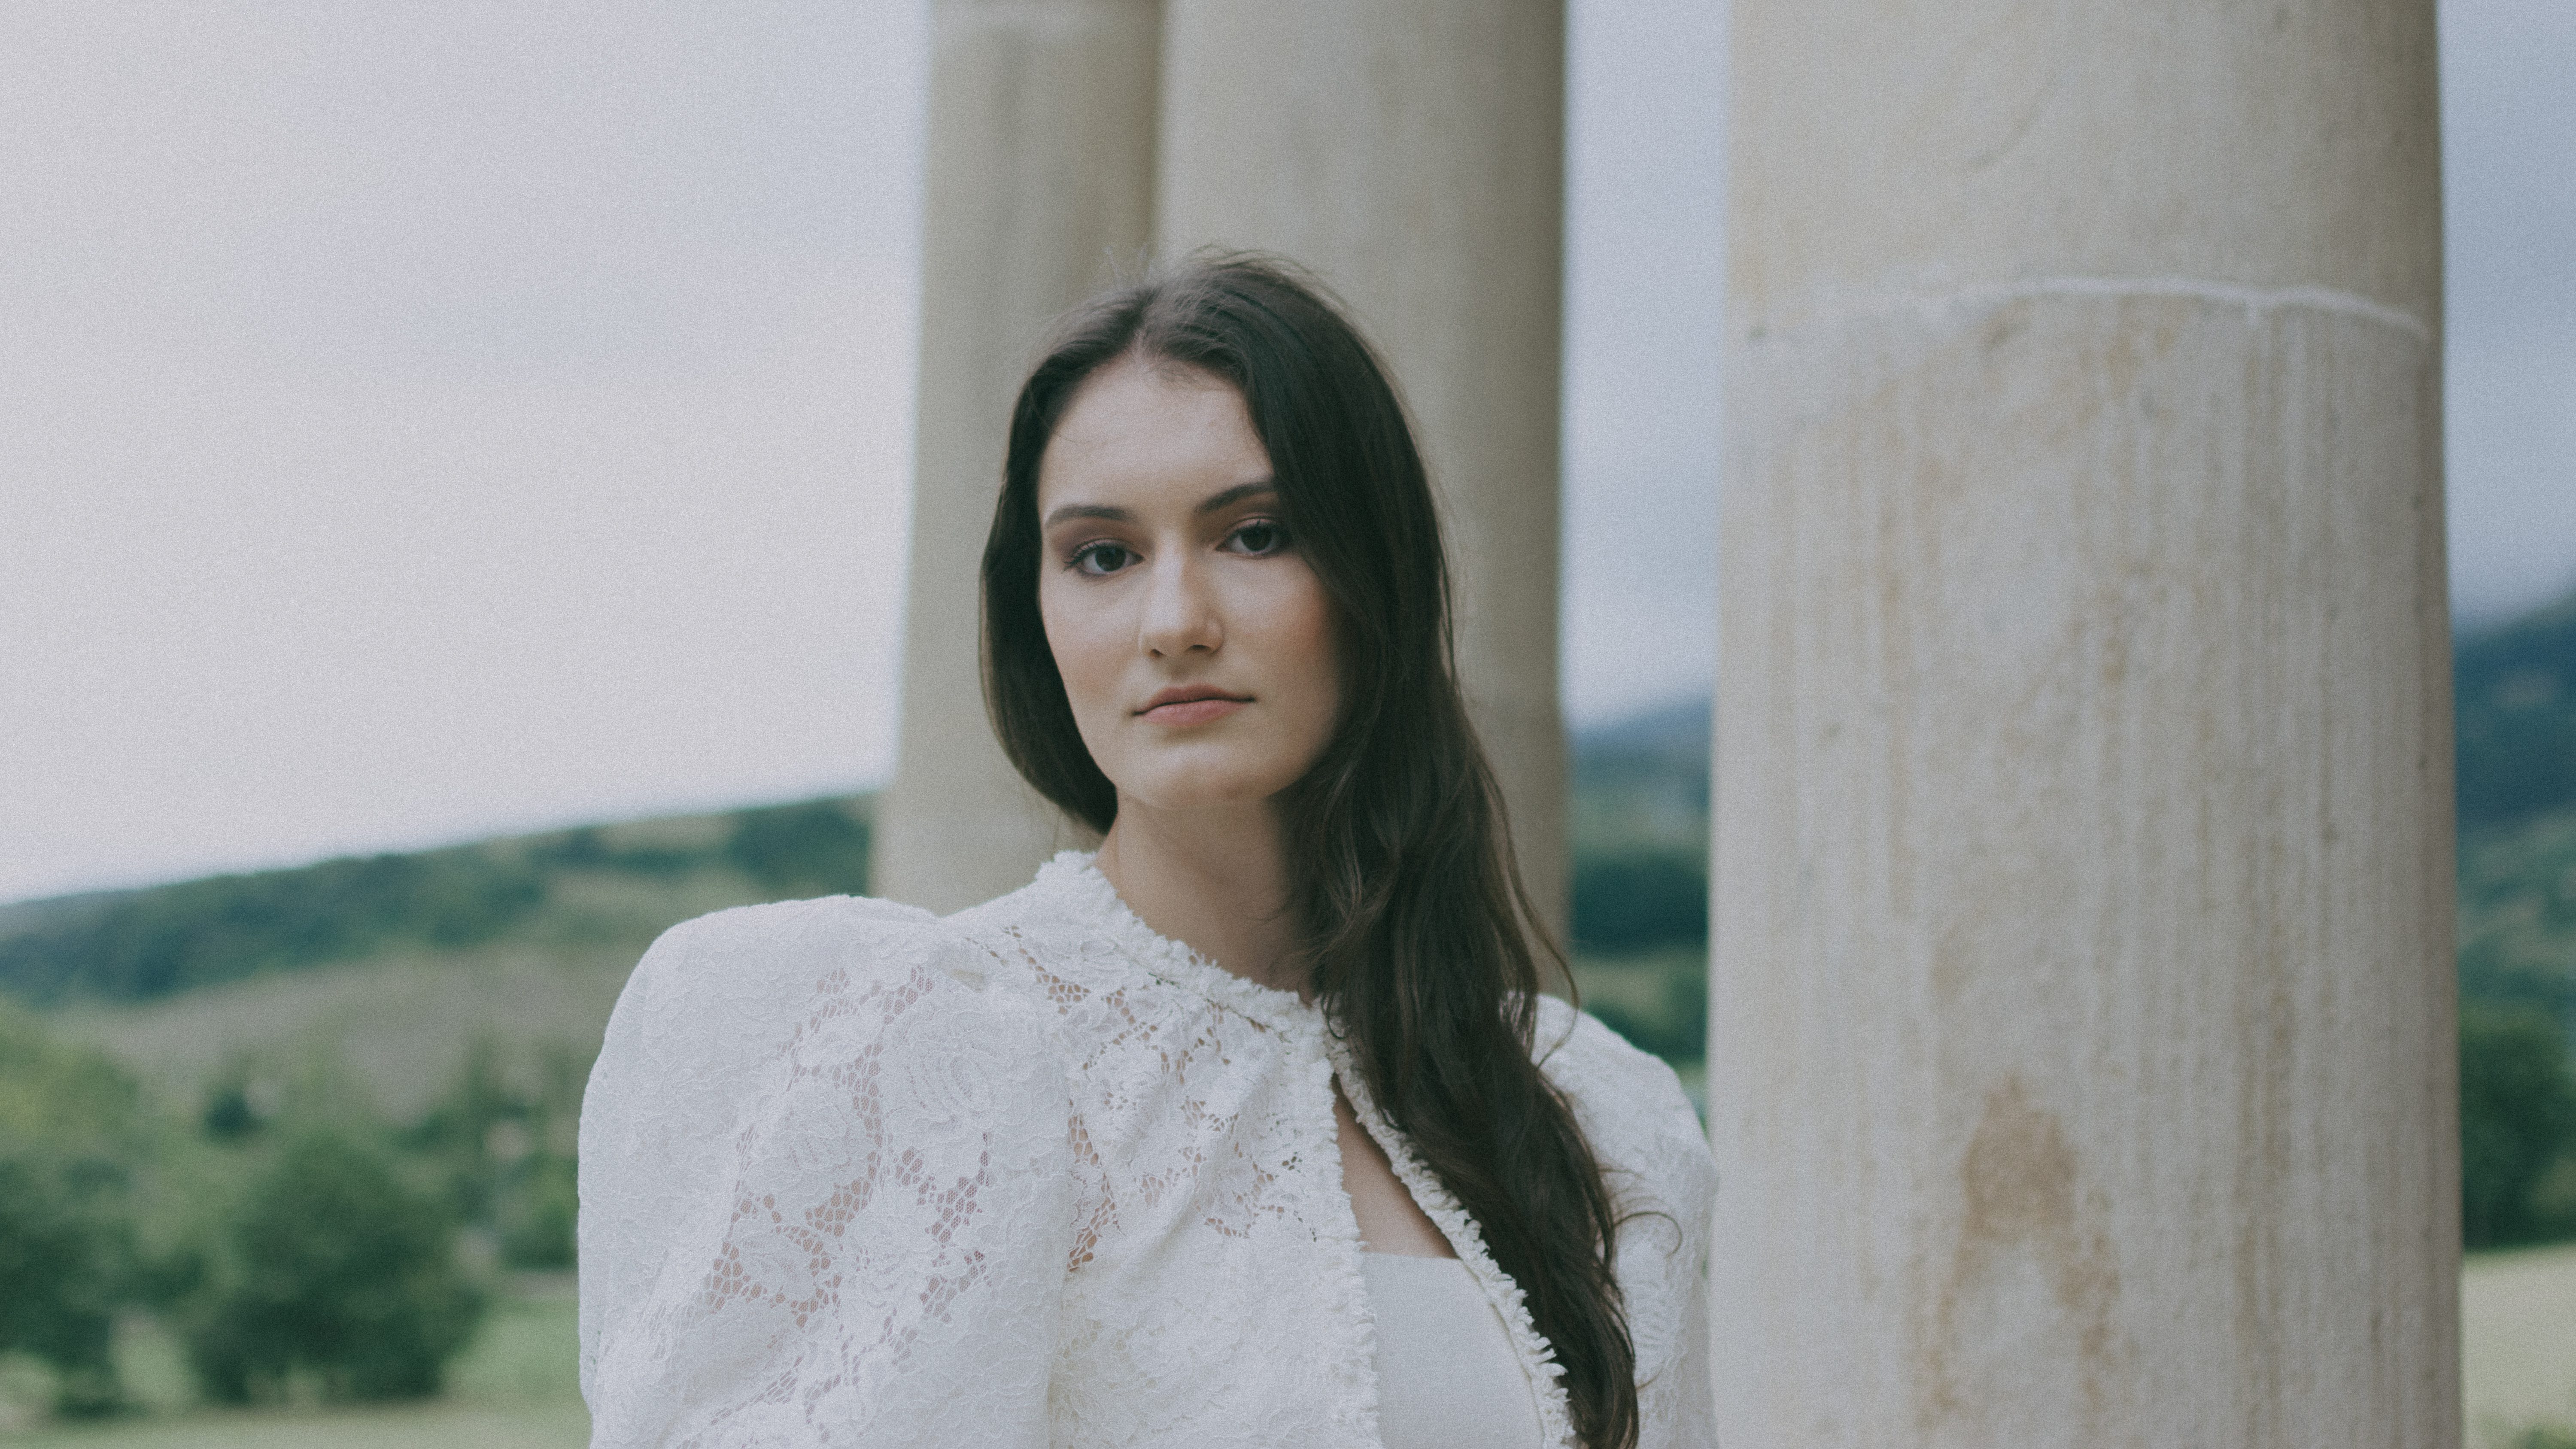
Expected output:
(517, 1387)
(2518, 1342)
(399, 1027)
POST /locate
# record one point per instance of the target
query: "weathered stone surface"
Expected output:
(1039, 187)
(2082, 1021)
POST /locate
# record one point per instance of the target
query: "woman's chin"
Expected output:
(1197, 792)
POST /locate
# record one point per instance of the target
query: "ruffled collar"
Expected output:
(1074, 877)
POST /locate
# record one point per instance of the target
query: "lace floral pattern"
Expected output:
(1035, 1175)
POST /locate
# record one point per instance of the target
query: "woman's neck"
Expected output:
(1215, 880)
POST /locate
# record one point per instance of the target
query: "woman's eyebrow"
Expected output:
(1089, 510)
(1215, 501)
(1237, 494)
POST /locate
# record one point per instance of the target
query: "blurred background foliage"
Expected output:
(306, 1137)
(141, 945)
(2515, 690)
(303, 1138)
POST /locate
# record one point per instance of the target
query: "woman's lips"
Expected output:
(1182, 713)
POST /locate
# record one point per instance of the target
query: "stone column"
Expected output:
(1039, 187)
(1412, 152)
(2082, 1055)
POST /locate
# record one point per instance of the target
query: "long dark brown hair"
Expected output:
(1415, 921)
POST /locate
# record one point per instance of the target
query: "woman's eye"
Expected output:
(1102, 558)
(1259, 537)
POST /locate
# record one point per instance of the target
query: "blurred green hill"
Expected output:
(566, 887)
(392, 966)
(2514, 690)
(2515, 699)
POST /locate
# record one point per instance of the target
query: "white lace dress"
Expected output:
(1034, 1175)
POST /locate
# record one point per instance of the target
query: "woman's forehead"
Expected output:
(1139, 436)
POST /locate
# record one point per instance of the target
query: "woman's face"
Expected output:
(1197, 647)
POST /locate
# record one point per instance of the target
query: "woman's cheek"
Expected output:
(1075, 639)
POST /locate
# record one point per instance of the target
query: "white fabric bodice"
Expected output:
(1034, 1175)
(1446, 1377)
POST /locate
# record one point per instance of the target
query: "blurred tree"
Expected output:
(501, 1138)
(66, 1260)
(1638, 900)
(229, 1115)
(817, 848)
(2514, 693)
(72, 1133)
(333, 1267)
(538, 1214)
(1677, 1028)
(2517, 1121)
(481, 1111)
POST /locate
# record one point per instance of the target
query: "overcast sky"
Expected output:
(424, 421)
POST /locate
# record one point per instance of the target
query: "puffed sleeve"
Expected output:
(825, 1189)
(1655, 1160)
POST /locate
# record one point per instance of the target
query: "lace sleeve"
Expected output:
(1654, 1156)
(876, 1241)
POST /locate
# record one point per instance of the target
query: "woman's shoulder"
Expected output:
(744, 946)
(727, 1014)
(748, 957)
(1583, 1056)
(720, 995)
(1630, 1103)
(731, 1066)
(1655, 1161)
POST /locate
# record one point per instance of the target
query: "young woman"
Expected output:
(1252, 1128)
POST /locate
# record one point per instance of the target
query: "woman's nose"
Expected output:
(1181, 611)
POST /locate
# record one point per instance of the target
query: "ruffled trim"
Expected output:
(1537, 1355)
(1347, 1285)
(1074, 876)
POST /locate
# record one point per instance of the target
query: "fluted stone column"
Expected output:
(1039, 187)
(1412, 152)
(2081, 1068)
